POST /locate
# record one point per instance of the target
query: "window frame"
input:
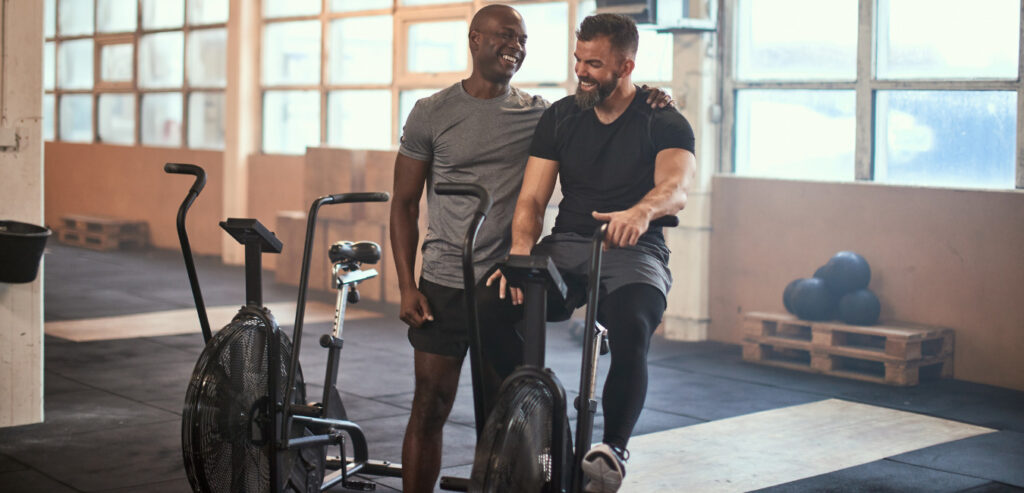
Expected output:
(101, 87)
(401, 79)
(866, 86)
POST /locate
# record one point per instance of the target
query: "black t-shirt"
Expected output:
(606, 168)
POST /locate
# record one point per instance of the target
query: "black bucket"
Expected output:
(21, 247)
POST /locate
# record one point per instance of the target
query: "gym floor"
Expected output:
(113, 406)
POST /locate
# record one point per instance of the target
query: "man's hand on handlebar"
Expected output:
(415, 310)
(515, 294)
(624, 227)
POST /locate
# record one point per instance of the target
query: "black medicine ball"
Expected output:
(846, 272)
(787, 295)
(860, 307)
(812, 300)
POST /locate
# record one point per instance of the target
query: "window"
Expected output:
(381, 56)
(873, 90)
(99, 59)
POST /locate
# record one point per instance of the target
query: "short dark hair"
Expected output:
(619, 29)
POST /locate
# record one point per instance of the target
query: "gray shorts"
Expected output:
(645, 263)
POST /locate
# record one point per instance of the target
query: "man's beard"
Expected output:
(589, 99)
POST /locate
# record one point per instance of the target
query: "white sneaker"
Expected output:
(603, 469)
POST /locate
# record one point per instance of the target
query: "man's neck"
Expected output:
(481, 88)
(616, 103)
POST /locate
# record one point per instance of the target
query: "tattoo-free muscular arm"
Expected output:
(410, 179)
(528, 220)
(674, 172)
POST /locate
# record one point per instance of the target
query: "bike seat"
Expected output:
(347, 252)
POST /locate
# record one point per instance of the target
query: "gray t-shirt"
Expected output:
(470, 140)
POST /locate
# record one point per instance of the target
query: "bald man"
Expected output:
(476, 131)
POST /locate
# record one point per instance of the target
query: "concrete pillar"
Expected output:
(695, 87)
(242, 110)
(21, 199)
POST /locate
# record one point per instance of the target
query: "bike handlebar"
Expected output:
(342, 198)
(189, 169)
(484, 199)
(665, 222)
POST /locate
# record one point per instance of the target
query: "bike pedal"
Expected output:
(359, 485)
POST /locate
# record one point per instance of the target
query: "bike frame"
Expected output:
(331, 431)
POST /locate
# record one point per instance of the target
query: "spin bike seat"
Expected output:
(347, 252)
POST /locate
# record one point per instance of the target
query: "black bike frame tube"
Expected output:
(300, 305)
(587, 405)
(476, 352)
(186, 250)
(469, 284)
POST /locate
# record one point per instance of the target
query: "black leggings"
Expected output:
(631, 314)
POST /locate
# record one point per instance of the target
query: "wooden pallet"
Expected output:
(890, 354)
(104, 224)
(103, 233)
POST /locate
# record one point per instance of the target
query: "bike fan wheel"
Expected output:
(514, 450)
(225, 442)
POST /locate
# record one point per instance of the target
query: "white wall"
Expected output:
(21, 199)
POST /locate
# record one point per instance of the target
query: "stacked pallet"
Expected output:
(890, 354)
(103, 232)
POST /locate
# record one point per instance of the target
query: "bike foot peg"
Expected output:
(359, 485)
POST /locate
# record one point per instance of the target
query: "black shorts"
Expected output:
(448, 333)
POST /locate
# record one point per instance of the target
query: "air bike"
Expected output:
(246, 424)
(525, 446)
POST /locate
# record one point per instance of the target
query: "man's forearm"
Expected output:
(527, 223)
(405, 233)
(674, 174)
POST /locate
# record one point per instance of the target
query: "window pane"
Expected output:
(75, 64)
(291, 121)
(206, 120)
(113, 16)
(76, 17)
(49, 58)
(955, 40)
(361, 50)
(161, 62)
(207, 58)
(406, 101)
(161, 119)
(291, 53)
(353, 5)
(207, 12)
(159, 14)
(797, 134)
(438, 46)
(653, 57)
(50, 18)
(547, 55)
(76, 117)
(48, 116)
(116, 62)
(117, 118)
(287, 8)
(797, 39)
(359, 119)
(946, 138)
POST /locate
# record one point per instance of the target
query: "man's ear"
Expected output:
(626, 67)
(474, 40)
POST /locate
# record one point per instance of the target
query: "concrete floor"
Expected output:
(113, 408)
